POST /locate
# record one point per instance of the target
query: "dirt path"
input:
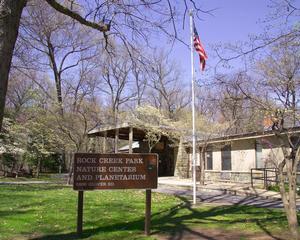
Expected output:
(216, 234)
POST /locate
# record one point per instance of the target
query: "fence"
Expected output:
(267, 175)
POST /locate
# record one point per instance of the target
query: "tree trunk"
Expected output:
(293, 222)
(57, 75)
(38, 168)
(289, 198)
(10, 14)
(292, 212)
(70, 175)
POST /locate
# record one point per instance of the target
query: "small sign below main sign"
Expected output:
(115, 171)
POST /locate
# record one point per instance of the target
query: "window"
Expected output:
(295, 141)
(209, 160)
(226, 157)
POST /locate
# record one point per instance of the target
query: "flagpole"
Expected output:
(193, 108)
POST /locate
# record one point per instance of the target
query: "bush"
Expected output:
(52, 162)
(275, 188)
(48, 162)
(12, 165)
(8, 160)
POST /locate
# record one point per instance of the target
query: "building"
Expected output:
(231, 158)
(227, 158)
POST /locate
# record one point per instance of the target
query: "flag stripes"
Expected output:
(199, 49)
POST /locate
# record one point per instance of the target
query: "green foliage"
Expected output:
(8, 160)
(48, 162)
(10, 164)
(51, 163)
(12, 137)
(31, 159)
(29, 140)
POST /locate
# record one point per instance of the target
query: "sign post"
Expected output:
(148, 212)
(79, 212)
(115, 171)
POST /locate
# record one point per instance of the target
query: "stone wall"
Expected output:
(181, 161)
(228, 176)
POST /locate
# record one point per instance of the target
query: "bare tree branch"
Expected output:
(102, 27)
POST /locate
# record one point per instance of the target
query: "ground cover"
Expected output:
(49, 212)
(54, 178)
(275, 188)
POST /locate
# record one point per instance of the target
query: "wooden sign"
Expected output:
(114, 171)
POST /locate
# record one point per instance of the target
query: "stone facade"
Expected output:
(227, 176)
(181, 161)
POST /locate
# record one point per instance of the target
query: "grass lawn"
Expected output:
(49, 212)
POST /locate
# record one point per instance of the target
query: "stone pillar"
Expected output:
(182, 161)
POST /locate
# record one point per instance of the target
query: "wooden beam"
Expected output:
(104, 149)
(104, 146)
(117, 140)
(130, 140)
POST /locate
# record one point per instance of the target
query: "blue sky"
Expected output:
(233, 20)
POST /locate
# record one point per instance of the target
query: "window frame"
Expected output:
(210, 156)
(226, 160)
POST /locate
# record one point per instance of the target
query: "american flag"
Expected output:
(199, 49)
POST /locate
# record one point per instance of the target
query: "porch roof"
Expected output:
(139, 133)
(124, 129)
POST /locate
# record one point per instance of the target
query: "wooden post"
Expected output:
(105, 142)
(148, 212)
(79, 212)
(98, 144)
(117, 140)
(130, 140)
(251, 177)
(266, 179)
